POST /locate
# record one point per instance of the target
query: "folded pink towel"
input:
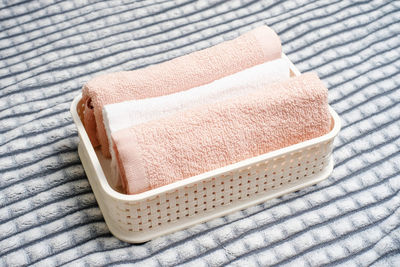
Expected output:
(204, 138)
(182, 73)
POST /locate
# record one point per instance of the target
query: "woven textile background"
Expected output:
(48, 49)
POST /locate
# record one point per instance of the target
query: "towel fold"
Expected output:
(129, 113)
(197, 140)
(182, 73)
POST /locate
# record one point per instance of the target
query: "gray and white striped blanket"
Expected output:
(48, 49)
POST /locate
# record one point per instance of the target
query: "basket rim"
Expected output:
(188, 182)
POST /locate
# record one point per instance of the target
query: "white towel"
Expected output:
(127, 114)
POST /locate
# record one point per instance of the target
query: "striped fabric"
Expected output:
(48, 49)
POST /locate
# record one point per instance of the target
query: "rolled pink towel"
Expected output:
(182, 73)
(204, 138)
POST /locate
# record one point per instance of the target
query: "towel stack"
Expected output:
(179, 74)
(202, 111)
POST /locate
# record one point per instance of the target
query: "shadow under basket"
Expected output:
(141, 217)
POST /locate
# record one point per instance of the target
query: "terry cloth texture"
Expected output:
(49, 49)
(129, 113)
(181, 73)
(211, 136)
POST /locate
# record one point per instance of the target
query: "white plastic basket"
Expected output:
(139, 218)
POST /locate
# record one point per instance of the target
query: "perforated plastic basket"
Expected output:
(139, 218)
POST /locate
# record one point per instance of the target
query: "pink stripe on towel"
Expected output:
(182, 73)
(204, 138)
